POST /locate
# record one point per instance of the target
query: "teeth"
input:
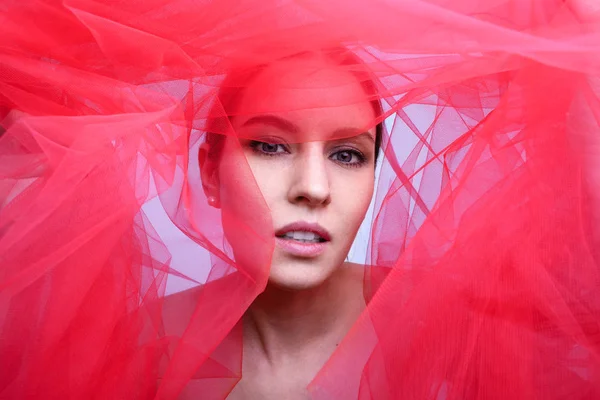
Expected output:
(303, 236)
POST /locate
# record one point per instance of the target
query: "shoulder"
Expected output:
(369, 277)
(177, 309)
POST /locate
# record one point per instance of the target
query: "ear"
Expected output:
(209, 175)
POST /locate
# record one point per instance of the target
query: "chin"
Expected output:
(298, 275)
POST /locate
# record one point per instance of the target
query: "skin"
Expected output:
(313, 162)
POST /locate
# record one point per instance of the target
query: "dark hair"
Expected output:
(231, 91)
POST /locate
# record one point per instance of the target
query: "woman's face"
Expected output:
(307, 135)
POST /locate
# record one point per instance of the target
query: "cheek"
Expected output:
(235, 181)
(245, 216)
(272, 178)
(239, 185)
(353, 193)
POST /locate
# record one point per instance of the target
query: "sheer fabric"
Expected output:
(482, 254)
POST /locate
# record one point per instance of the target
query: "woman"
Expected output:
(485, 280)
(315, 169)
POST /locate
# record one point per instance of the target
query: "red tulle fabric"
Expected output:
(482, 264)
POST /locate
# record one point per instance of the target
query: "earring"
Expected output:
(212, 201)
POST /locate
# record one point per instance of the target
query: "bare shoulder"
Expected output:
(354, 269)
(367, 277)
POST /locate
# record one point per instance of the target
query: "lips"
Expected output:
(303, 239)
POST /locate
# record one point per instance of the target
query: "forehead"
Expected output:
(314, 93)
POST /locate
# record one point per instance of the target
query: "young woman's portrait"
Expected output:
(300, 200)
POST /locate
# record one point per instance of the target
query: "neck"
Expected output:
(286, 325)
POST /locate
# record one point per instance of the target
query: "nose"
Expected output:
(310, 180)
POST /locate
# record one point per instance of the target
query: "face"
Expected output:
(312, 160)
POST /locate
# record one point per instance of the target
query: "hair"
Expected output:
(231, 91)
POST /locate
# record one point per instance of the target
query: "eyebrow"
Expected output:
(288, 126)
(351, 133)
(277, 122)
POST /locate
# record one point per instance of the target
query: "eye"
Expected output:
(267, 148)
(348, 157)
